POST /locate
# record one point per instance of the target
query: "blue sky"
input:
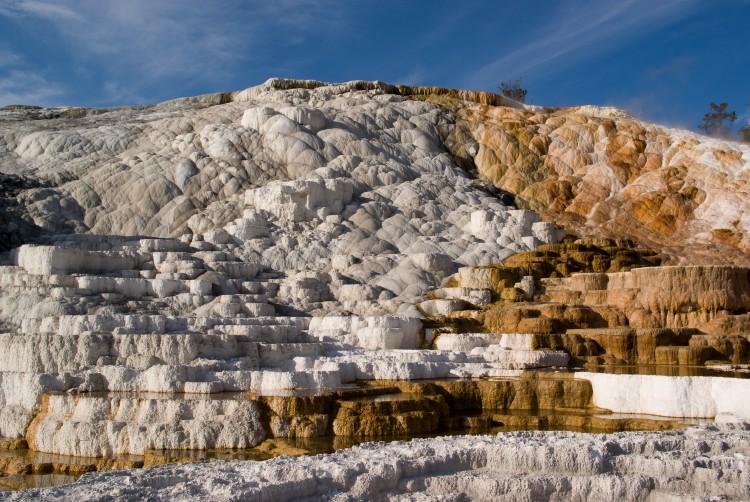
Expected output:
(662, 60)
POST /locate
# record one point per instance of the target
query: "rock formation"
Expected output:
(695, 464)
(674, 316)
(600, 173)
(302, 260)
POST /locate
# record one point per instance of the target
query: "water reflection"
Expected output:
(27, 469)
(666, 370)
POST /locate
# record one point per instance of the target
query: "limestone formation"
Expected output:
(708, 463)
(301, 260)
(601, 173)
(645, 315)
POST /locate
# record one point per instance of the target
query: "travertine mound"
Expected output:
(678, 315)
(180, 247)
(92, 315)
(180, 276)
(708, 463)
(600, 173)
(346, 189)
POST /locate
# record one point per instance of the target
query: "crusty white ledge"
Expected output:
(709, 463)
(682, 396)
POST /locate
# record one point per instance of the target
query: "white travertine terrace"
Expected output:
(709, 463)
(686, 396)
(257, 212)
(284, 239)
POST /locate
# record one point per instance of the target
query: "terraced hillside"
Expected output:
(254, 272)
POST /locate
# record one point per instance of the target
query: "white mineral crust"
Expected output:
(184, 247)
(707, 463)
(679, 396)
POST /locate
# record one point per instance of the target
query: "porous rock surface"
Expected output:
(708, 463)
(162, 263)
(600, 173)
(347, 189)
(182, 247)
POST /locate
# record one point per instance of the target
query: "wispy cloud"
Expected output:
(136, 44)
(678, 68)
(415, 77)
(7, 7)
(23, 87)
(579, 30)
(22, 84)
(8, 57)
(142, 41)
(48, 10)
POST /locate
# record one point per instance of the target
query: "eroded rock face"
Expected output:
(347, 190)
(702, 463)
(600, 173)
(182, 248)
(606, 304)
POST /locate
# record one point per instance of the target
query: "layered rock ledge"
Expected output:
(284, 262)
(708, 463)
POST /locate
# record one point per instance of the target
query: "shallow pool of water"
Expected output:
(28, 469)
(664, 370)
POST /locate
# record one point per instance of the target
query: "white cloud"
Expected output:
(8, 57)
(136, 44)
(415, 77)
(578, 31)
(48, 10)
(27, 88)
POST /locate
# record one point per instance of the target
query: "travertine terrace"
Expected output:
(360, 260)
(696, 464)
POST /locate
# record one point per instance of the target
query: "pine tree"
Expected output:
(513, 90)
(718, 122)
